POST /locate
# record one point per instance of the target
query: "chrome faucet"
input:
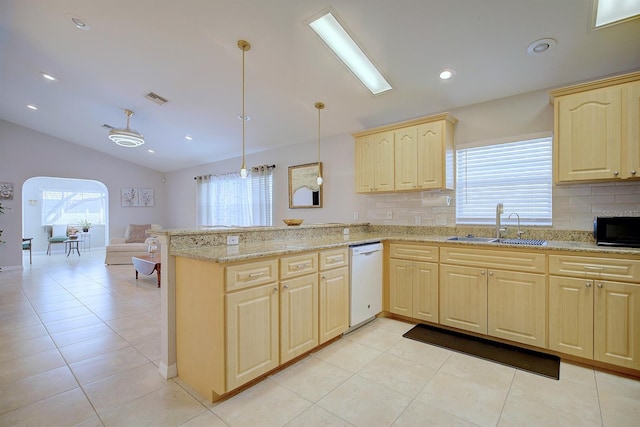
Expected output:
(520, 232)
(499, 211)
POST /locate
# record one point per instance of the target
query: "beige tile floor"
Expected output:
(79, 345)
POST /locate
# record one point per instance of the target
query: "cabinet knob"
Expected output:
(633, 172)
(286, 287)
(599, 285)
(491, 273)
(588, 285)
(275, 289)
(483, 273)
(616, 173)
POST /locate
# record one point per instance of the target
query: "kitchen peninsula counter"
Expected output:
(273, 242)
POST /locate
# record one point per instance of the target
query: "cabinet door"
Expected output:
(334, 303)
(384, 161)
(430, 155)
(632, 152)
(252, 333)
(463, 297)
(298, 316)
(588, 132)
(406, 164)
(617, 324)
(365, 165)
(571, 316)
(517, 308)
(401, 287)
(425, 291)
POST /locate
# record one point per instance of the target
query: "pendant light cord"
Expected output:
(243, 116)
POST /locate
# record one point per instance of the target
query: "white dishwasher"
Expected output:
(366, 283)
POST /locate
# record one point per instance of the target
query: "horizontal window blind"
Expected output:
(517, 174)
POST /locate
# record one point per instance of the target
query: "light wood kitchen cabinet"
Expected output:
(415, 155)
(413, 282)
(500, 293)
(374, 163)
(424, 156)
(298, 316)
(596, 130)
(334, 293)
(252, 333)
(463, 297)
(592, 316)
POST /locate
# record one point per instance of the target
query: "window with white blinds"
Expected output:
(517, 174)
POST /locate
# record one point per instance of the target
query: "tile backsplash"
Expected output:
(574, 206)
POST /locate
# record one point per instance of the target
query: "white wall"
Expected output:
(25, 153)
(519, 116)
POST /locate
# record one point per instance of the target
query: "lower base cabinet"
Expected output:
(508, 302)
(298, 316)
(595, 319)
(334, 303)
(252, 333)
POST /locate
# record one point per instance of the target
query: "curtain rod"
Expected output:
(253, 168)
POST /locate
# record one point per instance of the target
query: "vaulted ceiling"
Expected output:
(186, 51)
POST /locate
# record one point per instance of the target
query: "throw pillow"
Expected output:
(136, 233)
(59, 230)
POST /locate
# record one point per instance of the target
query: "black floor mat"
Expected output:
(519, 358)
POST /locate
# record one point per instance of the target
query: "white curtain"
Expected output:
(230, 200)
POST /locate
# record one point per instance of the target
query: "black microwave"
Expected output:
(617, 231)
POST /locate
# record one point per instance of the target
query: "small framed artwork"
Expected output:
(129, 197)
(145, 197)
(6, 190)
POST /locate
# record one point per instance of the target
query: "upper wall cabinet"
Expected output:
(597, 130)
(416, 155)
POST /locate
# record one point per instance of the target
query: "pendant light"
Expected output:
(126, 137)
(244, 46)
(319, 106)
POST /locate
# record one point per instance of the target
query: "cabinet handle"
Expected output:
(616, 173)
(588, 285)
(252, 275)
(599, 285)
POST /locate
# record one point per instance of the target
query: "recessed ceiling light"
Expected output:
(446, 73)
(79, 23)
(188, 138)
(48, 76)
(32, 107)
(541, 46)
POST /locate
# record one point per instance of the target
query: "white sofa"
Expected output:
(121, 249)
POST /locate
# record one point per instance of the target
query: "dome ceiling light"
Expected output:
(126, 137)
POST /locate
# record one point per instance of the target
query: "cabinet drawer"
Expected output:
(334, 258)
(413, 252)
(525, 262)
(625, 270)
(243, 276)
(297, 265)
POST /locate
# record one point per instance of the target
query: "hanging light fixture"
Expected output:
(244, 46)
(319, 106)
(126, 137)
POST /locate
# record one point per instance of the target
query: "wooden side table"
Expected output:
(146, 265)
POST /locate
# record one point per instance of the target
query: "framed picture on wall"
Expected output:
(145, 197)
(129, 197)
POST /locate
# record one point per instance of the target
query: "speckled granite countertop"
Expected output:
(245, 251)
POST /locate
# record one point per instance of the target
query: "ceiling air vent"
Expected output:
(156, 98)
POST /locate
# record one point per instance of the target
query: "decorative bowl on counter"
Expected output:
(292, 221)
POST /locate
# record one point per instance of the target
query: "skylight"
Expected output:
(611, 11)
(339, 41)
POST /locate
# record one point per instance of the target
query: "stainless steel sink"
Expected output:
(473, 239)
(532, 242)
